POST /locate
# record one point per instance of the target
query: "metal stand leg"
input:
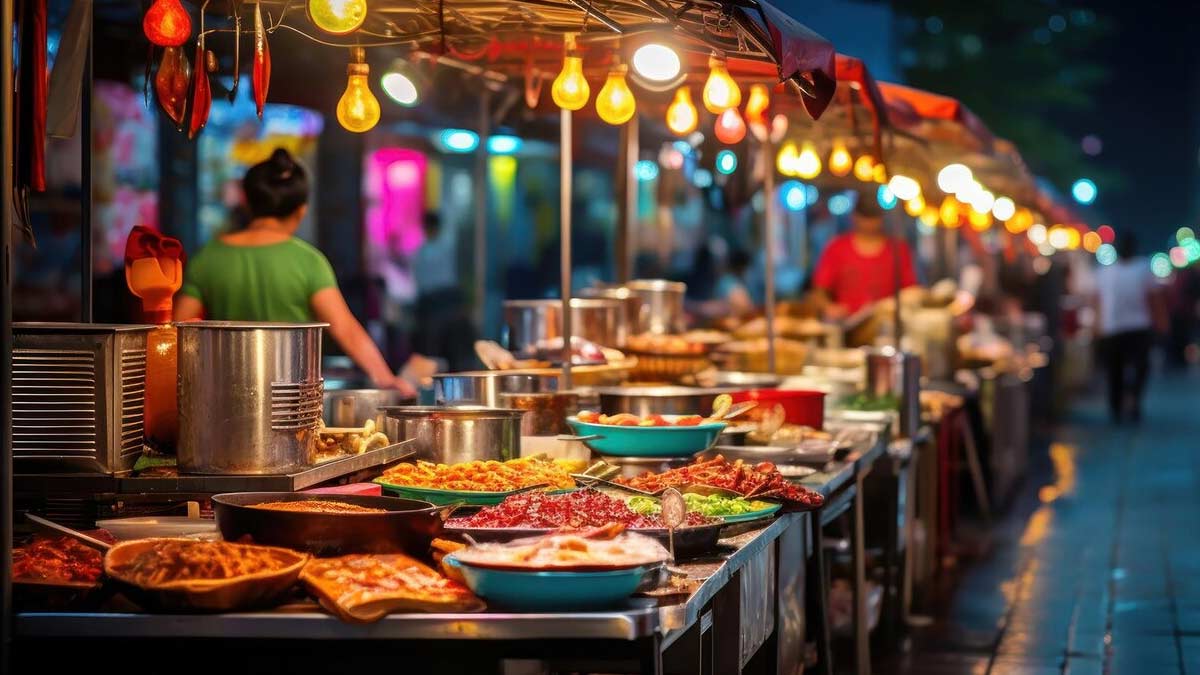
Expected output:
(976, 469)
(818, 593)
(862, 628)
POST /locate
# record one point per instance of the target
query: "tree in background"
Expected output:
(1024, 66)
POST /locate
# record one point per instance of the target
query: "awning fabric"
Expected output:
(800, 53)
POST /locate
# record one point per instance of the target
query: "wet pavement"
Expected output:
(1096, 568)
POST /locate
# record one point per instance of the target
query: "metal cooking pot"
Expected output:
(353, 407)
(897, 373)
(662, 305)
(249, 396)
(642, 401)
(485, 387)
(528, 322)
(451, 434)
(545, 412)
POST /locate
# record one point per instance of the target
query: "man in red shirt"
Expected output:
(859, 267)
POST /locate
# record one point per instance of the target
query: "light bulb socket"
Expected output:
(358, 69)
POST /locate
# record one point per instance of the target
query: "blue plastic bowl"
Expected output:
(550, 591)
(649, 441)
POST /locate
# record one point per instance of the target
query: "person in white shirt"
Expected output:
(1128, 305)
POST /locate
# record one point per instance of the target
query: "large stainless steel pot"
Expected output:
(450, 434)
(599, 320)
(644, 401)
(662, 305)
(898, 374)
(485, 387)
(353, 407)
(249, 396)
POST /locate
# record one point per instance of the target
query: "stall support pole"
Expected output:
(565, 169)
(85, 191)
(769, 207)
(6, 334)
(627, 189)
(481, 208)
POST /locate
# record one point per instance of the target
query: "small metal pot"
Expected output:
(353, 407)
(545, 413)
(897, 373)
(662, 305)
(528, 322)
(642, 401)
(451, 434)
(485, 387)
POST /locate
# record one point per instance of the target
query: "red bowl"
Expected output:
(806, 408)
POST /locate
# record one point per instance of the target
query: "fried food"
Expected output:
(165, 561)
(762, 480)
(56, 559)
(480, 476)
(366, 588)
(318, 506)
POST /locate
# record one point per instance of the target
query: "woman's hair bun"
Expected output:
(276, 187)
(283, 164)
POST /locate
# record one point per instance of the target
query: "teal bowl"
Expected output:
(550, 591)
(648, 441)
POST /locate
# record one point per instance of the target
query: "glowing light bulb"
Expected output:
(656, 62)
(358, 109)
(756, 108)
(570, 89)
(682, 115)
(840, 161)
(980, 220)
(167, 24)
(730, 128)
(864, 168)
(337, 17)
(808, 164)
(1021, 221)
(950, 212)
(1004, 208)
(615, 103)
(786, 160)
(929, 216)
(983, 201)
(879, 174)
(904, 187)
(915, 206)
(952, 177)
(1037, 234)
(400, 88)
(720, 91)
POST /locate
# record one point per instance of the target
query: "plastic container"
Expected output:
(806, 408)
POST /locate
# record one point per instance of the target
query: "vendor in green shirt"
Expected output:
(264, 273)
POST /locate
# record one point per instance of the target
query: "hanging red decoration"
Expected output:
(171, 83)
(167, 23)
(730, 127)
(260, 76)
(201, 92)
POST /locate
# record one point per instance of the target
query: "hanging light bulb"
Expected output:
(915, 206)
(840, 160)
(337, 17)
(950, 212)
(615, 103)
(656, 62)
(167, 23)
(720, 91)
(808, 164)
(1003, 208)
(358, 109)
(756, 110)
(929, 216)
(570, 89)
(953, 177)
(730, 128)
(980, 220)
(786, 160)
(879, 174)
(864, 168)
(682, 115)
(1021, 221)
(904, 187)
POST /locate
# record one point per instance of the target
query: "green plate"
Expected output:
(444, 497)
(754, 515)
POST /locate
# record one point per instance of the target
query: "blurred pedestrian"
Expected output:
(1129, 308)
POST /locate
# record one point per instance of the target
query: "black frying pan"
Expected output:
(407, 527)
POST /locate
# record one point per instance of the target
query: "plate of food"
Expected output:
(627, 435)
(761, 481)
(728, 509)
(55, 573)
(532, 514)
(212, 576)
(597, 568)
(478, 483)
(366, 588)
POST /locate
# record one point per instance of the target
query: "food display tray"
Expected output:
(447, 497)
(690, 542)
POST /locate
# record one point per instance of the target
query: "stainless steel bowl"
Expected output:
(743, 381)
(451, 434)
(599, 320)
(249, 396)
(485, 387)
(353, 407)
(642, 401)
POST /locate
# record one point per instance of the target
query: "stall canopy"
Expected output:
(942, 118)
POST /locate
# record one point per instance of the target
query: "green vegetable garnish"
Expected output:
(711, 505)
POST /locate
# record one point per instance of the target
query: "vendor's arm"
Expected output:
(908, 271)
(188, 308)
(329, 306)
(823, 281)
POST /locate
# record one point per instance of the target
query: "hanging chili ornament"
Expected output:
(201, 91)
(171, 84)
(167, 23)
(261, 75)
(237, 48)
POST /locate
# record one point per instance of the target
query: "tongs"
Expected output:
(51, 526)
